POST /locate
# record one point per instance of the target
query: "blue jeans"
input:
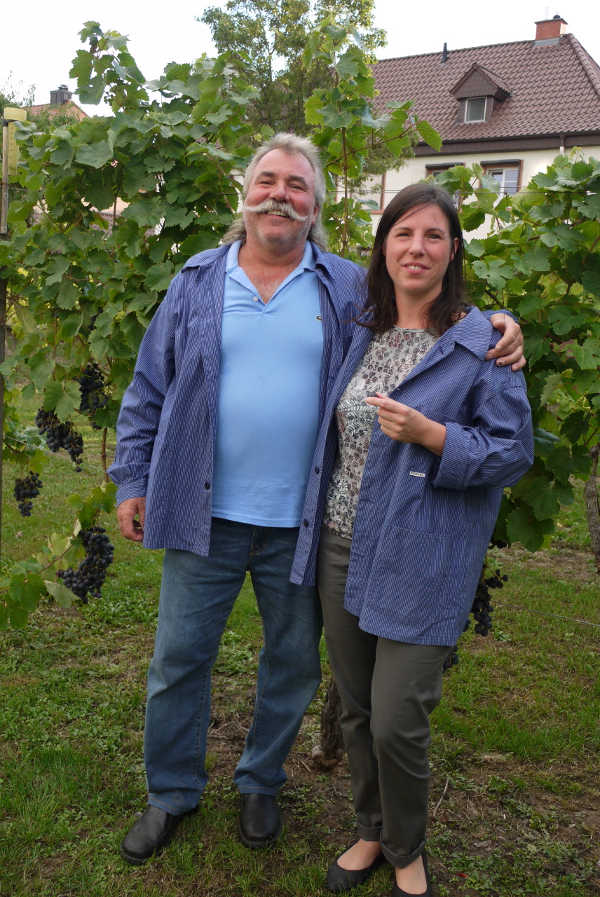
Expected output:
(196, 598)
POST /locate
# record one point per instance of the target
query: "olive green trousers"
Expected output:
(387, 691)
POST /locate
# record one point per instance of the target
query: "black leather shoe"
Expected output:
(260, 820)
(339, 879)
(153, 830)
(398, 892)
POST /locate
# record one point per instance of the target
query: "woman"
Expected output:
(428, 433)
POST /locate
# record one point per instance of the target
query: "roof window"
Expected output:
(475, 109)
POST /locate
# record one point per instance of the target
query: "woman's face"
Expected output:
(418, 249)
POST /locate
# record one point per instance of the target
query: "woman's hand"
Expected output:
(406, 424)
(509, 349)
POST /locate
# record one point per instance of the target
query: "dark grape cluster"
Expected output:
(60, 435)
(26, 489)
(91, 388)
(481, 609)
(482, 606)
(89, 577)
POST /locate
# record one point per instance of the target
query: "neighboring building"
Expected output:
(510, 107)
(60, 104)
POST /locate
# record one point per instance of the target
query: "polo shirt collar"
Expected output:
(307, 262)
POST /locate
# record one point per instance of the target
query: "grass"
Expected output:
(515, 789)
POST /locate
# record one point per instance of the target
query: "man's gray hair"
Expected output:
(292, 144)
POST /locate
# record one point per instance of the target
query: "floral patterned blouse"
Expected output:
(388, 359)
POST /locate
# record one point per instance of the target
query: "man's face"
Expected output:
(283, 185)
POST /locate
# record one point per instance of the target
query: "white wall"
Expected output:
(416, 169)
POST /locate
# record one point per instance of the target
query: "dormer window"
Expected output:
(478, 92)
(475, 109)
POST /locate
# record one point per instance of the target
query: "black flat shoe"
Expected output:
(398, 892)
(260, 820)
(339, 879)
(152, 831)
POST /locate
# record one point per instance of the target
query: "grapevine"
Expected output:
(481, 609)
(93, 395)
(25, 490)
(60, 435)
(89, 576)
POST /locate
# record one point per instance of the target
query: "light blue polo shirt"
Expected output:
(268, 410)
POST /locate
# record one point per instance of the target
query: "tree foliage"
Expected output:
(542, 261)
(349, 136)
(12, 94)
(268, 37)
(84, 281)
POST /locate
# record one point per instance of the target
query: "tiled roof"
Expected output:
(554, 89)
(68, 108)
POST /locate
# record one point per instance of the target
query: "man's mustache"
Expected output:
(271, 205)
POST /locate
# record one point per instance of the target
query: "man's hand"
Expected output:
(130, 515)
(509, 349)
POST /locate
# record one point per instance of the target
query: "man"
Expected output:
(214, 444)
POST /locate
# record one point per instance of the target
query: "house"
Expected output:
(60, 104)
(511, 107)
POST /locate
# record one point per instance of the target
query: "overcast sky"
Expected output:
(41, 38)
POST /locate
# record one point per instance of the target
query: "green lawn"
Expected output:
(515, 791)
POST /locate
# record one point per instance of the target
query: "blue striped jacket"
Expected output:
(423, 523)
(167, 423)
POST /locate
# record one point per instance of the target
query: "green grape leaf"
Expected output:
(26, 590)
(63, 596)
(522, 526)
(96, 154)
(429, 135)
(58, 544)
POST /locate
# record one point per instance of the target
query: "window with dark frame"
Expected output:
(506, 176)
(433, 168)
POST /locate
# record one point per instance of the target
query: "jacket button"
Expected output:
(207, 485)
(317, 470)
(305, 523)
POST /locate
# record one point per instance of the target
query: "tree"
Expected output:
(348, 134)
(15, 95)
(269, 38)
